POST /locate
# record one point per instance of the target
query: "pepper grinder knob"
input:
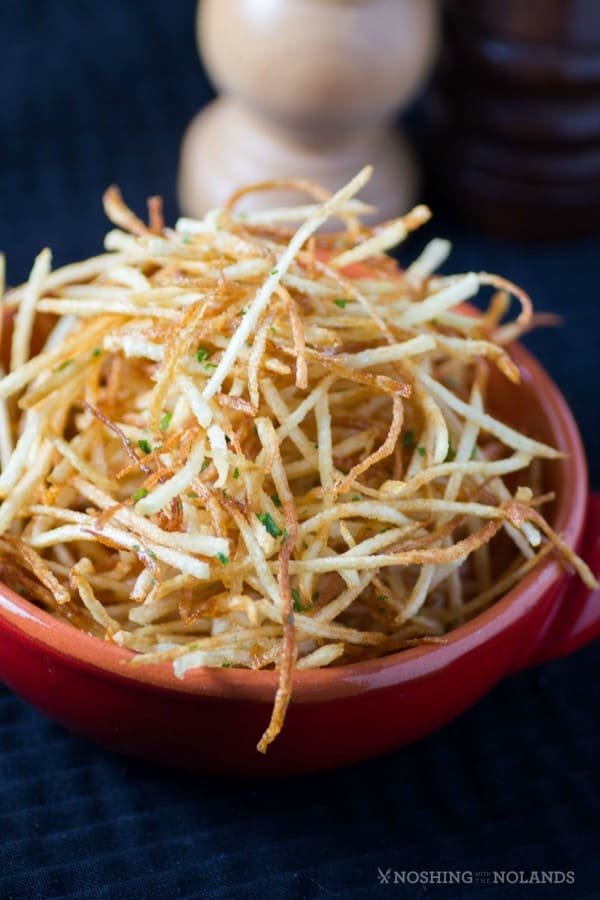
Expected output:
(308, 88)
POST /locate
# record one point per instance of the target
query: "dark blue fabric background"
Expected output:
(98, 92)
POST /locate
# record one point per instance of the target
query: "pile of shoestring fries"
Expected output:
(249, 442)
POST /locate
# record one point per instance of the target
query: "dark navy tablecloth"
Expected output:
(93, 93)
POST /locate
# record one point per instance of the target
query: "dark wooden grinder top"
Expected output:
(515, 115)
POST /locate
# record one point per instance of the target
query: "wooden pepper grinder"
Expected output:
(309, 88)
(515, 142)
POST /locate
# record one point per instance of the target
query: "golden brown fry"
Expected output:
(258, 459)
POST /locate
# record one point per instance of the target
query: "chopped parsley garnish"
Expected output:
(222, 558)
(276, 500)
(205, 465)
(192, 495)
(341, 303)
(141, 492)
(297, 603)
(145, 446)
(96, 351)
(202, 353)
(225, 665)
(236, 473)
(165, 421)
(355, 499)
(421, 451)
(63, 365)
(269, 523)
(151, 554)
(409, 438)
(274, 272)
(135, 546)
(451, 454)
(210, 365)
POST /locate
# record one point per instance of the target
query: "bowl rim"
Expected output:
(35, 625)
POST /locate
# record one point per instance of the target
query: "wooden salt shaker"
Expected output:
(309, 88)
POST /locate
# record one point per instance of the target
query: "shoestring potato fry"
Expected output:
(249, 442)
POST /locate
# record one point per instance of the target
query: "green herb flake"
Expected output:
(274, 330)
(269, 523)
(249, 344)
(96, 351)
(355, 499)
(165, 421)
(63, 365)
(192, 495)
(276, 500)
(145, 446)
(236, 473)
(135, 547)
(141, 492)
(225, 665)
(421, 451)
(409, 438)
(151, 554)
(341, 303)
(205, 465)
(274, 272)
(381, 598)
(473, 453)
(186, 237)
(451, 454)
(222, 559)
(315, 596)
(297, 603)
(284, 535)
(201, 354)
(209, 365)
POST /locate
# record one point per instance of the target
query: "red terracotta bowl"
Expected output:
(212, 720)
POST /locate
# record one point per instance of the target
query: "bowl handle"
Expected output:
(576, 618)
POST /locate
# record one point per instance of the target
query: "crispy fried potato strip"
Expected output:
(251, 442)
